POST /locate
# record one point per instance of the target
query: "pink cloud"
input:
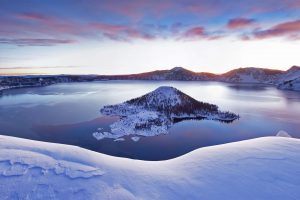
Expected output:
(32, 16)
(199, 32)
(42, 25)
(135, 10)
(195, 32)
(240, 23)
(106, 28)
(139, 35)
(290, 29)
(119, 32)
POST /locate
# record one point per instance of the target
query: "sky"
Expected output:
(132, 36)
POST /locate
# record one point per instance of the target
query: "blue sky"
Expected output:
(109, 37)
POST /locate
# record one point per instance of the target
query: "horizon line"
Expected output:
(96, 74)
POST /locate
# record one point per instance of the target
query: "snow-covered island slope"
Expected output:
(155, 112)
(263, 168)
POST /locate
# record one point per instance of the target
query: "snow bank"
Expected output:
(263, 168)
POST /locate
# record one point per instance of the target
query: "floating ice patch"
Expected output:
(98, 135)
(101, 135)
(119, 140)
(283, 134)
(135, 138)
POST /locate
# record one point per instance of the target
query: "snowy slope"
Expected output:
(263, 168)
(291, 74)
(290, 84)
(290, 80)
(252, 75)
(285, 80)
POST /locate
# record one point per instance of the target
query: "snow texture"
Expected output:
(262, 168)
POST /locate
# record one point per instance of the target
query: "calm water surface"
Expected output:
(69, 114)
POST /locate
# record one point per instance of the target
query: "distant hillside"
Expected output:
(288, 80)
(176, 73)
(252, 75)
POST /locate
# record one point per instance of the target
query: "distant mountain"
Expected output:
(288, 80)
(252, 75)
(155, 112)
(176, 73)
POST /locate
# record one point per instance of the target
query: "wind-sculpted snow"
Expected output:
(263, 168)
(154, 113)
(18, 165)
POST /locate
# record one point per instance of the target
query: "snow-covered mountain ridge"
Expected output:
(282, 79)
(154, 113)
(252, 75)
(262, 168)
(288, 80)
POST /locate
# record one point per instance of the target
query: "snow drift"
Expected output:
(263, 168)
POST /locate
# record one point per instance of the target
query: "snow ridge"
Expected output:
(20, 165)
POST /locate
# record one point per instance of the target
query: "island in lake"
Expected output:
(155, 112)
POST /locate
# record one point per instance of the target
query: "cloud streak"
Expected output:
(32, 16)
(199, 33)
(35, 42)
(290, 29)
(240, 23)
(53, 67)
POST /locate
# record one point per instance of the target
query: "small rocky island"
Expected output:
(155, 112)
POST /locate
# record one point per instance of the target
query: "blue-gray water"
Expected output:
(69, 113)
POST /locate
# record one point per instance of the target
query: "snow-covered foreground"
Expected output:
(263, 168)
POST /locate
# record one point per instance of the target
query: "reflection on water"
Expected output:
(69, 113)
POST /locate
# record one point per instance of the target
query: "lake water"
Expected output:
(69, 114)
